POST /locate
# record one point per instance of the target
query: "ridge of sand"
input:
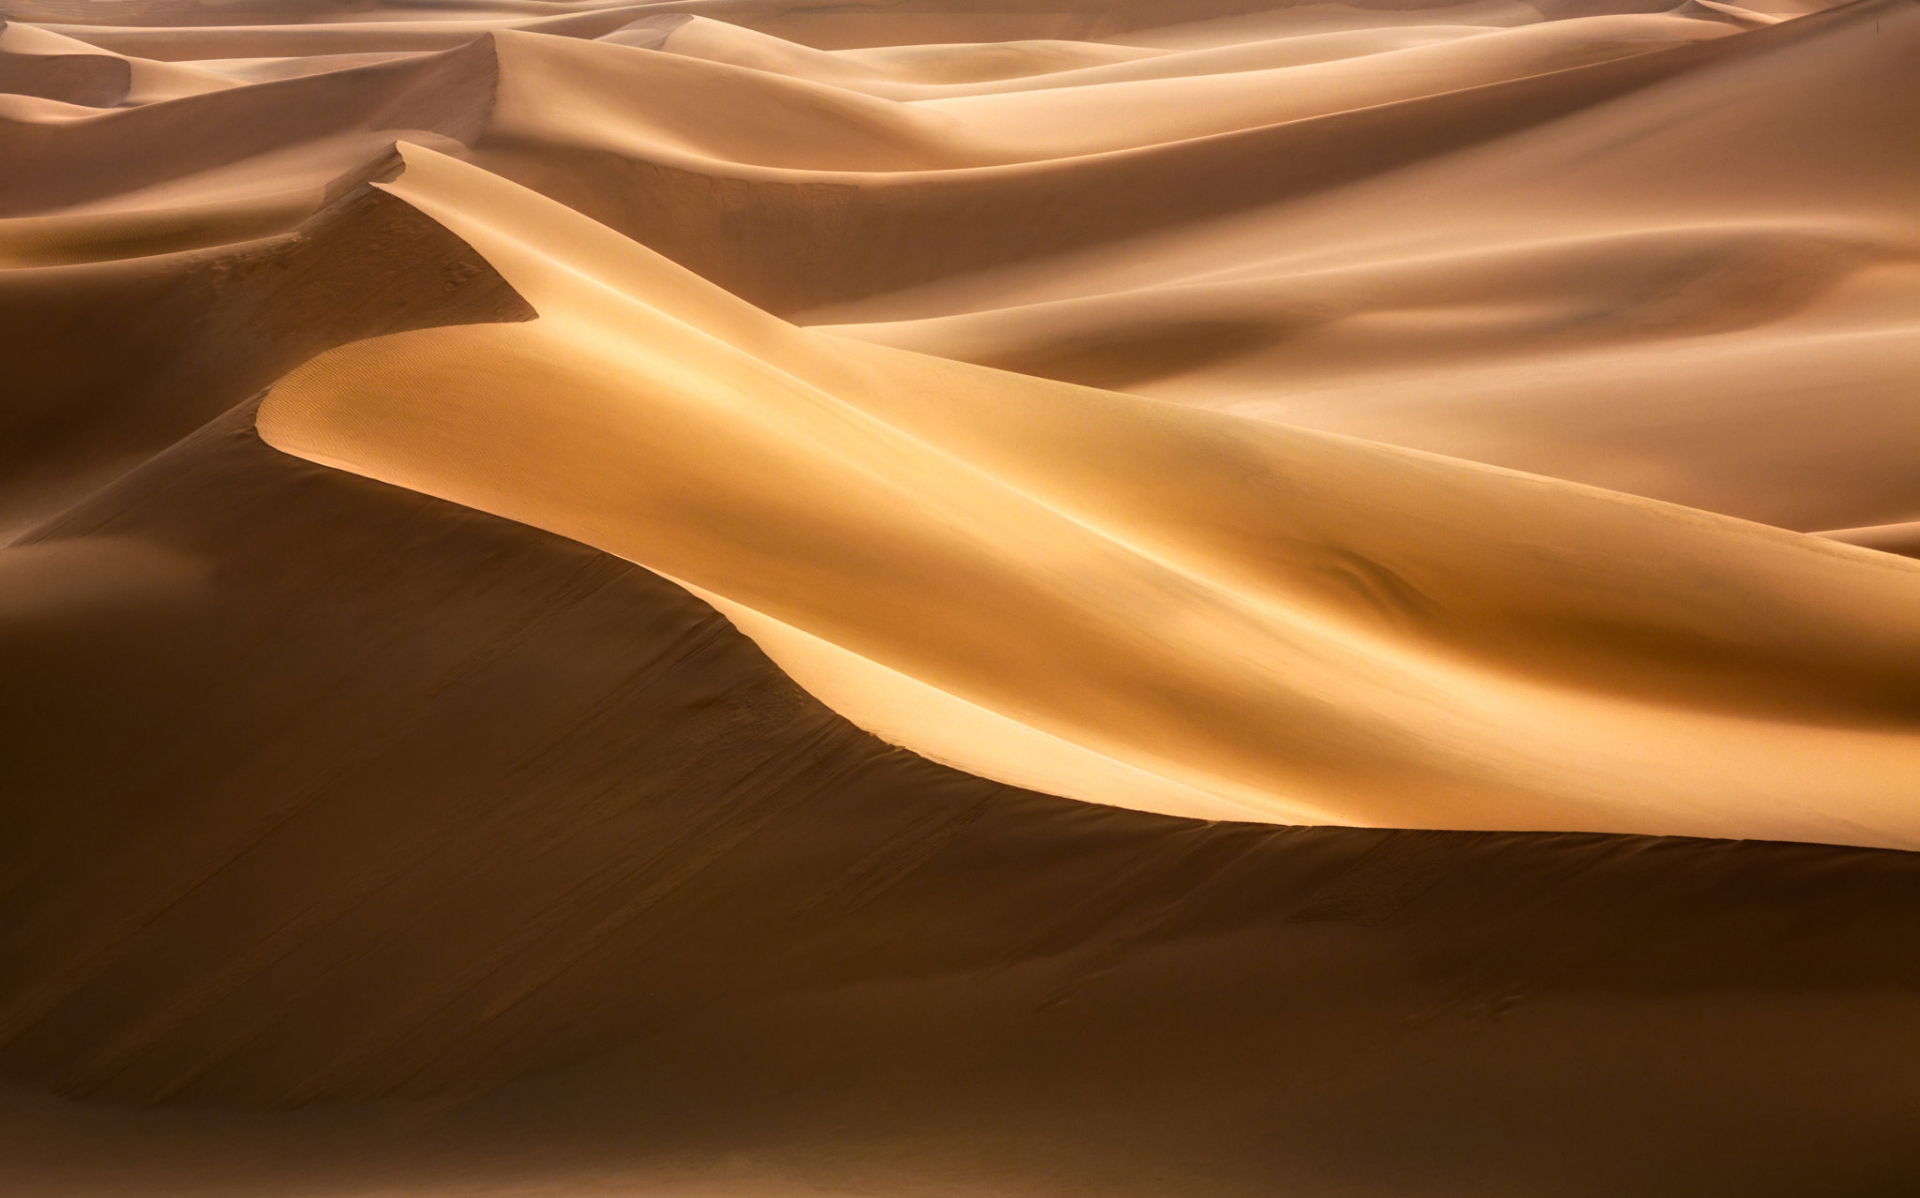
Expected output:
(115, 358)
(190, 43)
(1902, 538)
(1710, 330)
(1477, 668)
(849, 185)
(1259, 69)
(41, 62)
(844, 235)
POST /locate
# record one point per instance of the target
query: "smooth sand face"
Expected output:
(1312, 629)
(623, 599)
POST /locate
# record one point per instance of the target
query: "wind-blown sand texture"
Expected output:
(959, 598)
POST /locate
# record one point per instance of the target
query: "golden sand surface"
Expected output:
(959, 597)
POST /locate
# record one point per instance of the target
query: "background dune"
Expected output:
(959, 597)
(1712, 329)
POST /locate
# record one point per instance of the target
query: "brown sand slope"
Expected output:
(326, 790)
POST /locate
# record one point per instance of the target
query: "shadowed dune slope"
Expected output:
(1308, 628)
(117, 348)
(328, 790)
(310, 715)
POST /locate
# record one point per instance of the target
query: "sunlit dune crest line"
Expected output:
(1345, 632)
(944, 728)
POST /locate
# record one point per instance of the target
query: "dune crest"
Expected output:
(1277, 632)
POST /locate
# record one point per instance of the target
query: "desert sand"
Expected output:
(1107, 597)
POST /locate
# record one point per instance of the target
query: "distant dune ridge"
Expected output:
(931, 597)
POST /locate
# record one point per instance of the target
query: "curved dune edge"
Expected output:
(1902, 538)
(1526, 655)
(944, 728)
(116, 358)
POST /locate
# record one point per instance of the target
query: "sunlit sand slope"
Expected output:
(1307, 628)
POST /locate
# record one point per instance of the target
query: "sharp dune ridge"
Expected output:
(966, 531)
(115, 358)
(959, 597)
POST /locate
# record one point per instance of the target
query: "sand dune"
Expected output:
(1098, 597)
(117, 357)
(989, 536)
(1714, 331)
(362, 794)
